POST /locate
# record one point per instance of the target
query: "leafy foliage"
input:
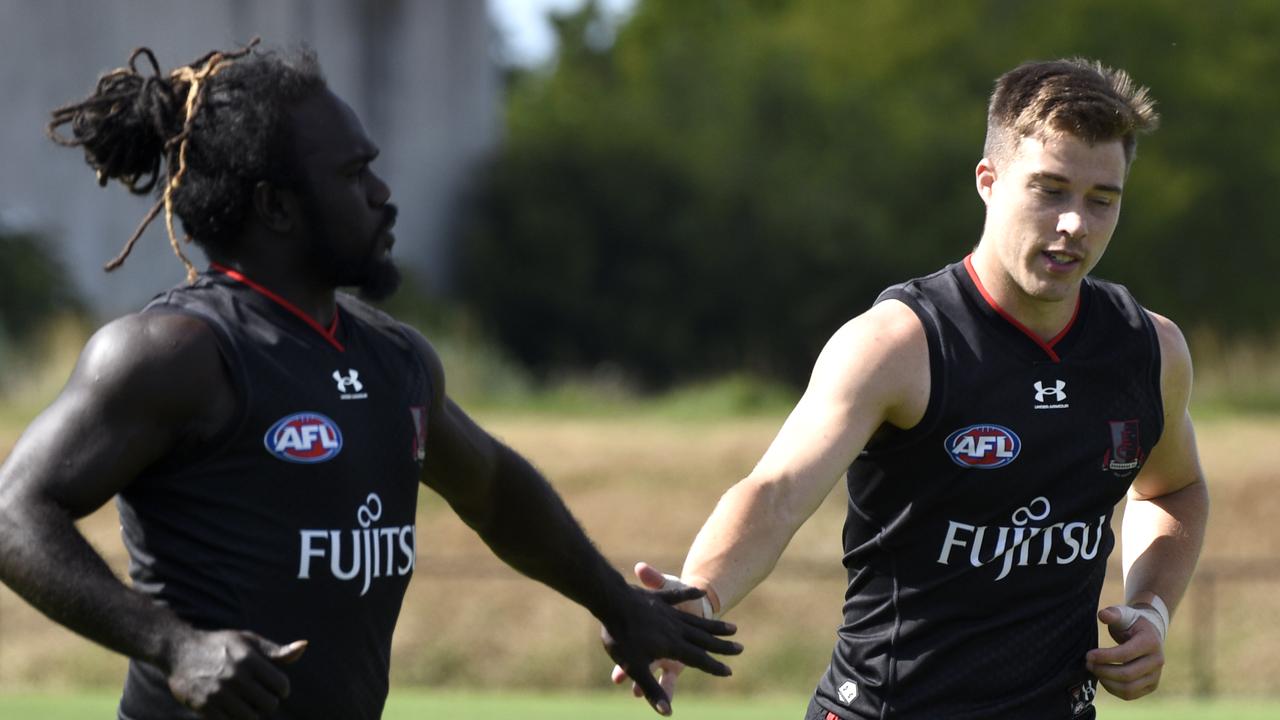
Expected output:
(34, 286)
(727, 182)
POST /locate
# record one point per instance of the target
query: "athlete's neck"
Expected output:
(1045, 315)
(314, 301)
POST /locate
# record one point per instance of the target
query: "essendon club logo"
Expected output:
(983, 447)
(1125, 455)
(419, 415)
(305, 437)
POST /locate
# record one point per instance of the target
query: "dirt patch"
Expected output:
(642, 489)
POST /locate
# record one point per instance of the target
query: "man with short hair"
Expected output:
(989, 417)
(264, 435)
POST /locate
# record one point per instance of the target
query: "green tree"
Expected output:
(726, 183)
(34, 286)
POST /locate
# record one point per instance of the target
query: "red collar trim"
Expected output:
(1047, 346)
(329, 334)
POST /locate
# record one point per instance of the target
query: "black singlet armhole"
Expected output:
(187, 452)
(889, 438)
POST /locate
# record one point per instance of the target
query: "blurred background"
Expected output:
(629, 227)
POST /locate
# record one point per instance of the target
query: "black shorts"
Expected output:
(817, 712)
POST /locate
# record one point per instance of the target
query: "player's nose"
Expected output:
(1072, 224)
(379, 191)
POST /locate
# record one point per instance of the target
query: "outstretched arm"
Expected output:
(141, 384)
(523, 520)
(1162, 532)
(874, 370)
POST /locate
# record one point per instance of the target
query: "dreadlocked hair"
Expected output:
(213, 129)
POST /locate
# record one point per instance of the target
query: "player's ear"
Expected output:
(985, 178)
(274, 207)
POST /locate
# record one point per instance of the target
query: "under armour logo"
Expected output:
(1057, 392)
(350, 382)
(1082, 697)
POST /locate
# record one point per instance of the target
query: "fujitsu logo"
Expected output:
(1061, 543)
(373, 552)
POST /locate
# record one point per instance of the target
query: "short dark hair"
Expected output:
(217, 140)
(1076, 96)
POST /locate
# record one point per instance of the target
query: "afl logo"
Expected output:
(305, 437)
(983, 447)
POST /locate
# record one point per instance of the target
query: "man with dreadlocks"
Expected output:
(265, 435)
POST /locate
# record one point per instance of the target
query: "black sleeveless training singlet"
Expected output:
(976, 542)
(298, 521)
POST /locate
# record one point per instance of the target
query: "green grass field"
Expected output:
(421, 705)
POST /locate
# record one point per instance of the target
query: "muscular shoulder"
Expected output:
(142, 384)
(891, 324)
(1175, 363)
(430, 361)
(881, 358)
(164, 363)
(878, 339)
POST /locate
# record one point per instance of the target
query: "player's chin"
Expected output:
(1049, 289)
(381, 282)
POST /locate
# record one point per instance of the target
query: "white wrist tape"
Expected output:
(671, 582)
(1157, 615)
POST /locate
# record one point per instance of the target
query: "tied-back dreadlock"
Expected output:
(213, 154)
(99, 122)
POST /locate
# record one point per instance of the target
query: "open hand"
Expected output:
(653, 629)
(667, 671)
(232, 674)
(1132, 668)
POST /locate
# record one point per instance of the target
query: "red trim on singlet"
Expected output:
(1047, 346)
(329, 333)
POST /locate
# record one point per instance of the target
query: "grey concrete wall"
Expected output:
(419, 72)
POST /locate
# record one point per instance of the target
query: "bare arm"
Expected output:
(874, 370)
(1168, 506)
(1162, 531)
(117, 413)
(516, 512)
(142, 383)
(523, 520)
